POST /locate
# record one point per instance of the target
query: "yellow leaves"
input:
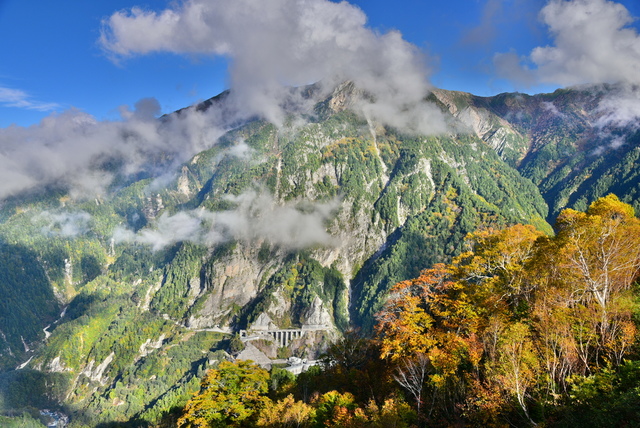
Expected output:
(499, 253)
(341, 411)
(229, 394)
(404, 324)
(437, 380)
(610, 206)
(392, 413)
(285, 413)
(330, 151)
(446, 363)
(518, 363)
(372, 150)
(521, 312)
(408, 337)
(569, 218)
(598, 252)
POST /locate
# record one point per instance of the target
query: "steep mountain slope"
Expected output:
(576, 145)
(300, 226)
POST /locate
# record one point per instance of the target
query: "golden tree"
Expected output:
(229, 394)
(285, 413)
(596, 260)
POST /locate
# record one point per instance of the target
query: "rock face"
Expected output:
(149, 346)
(317, 315)
(343, 97)
(489, 127)
(56, 366)
(96, 374)
(263, 323)
(232, 281)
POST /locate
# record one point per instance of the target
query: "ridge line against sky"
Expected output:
(97, 56)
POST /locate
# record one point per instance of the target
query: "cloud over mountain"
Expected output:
(76, 152)
(283, 43)
(272, 46)
(63, 223)
(256, 216)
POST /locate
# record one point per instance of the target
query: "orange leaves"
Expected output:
(521, 312)
(404, 323)
(434, 317)
(336, 410)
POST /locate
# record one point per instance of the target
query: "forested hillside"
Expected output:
(117, 305)
(576, 145)
(523, 329)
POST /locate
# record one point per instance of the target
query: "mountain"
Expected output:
(116, 304)
(576, 145)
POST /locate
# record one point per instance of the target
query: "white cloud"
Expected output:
(183, 226)
(551, 108)
(617, 114)
(620, 107)
(273, 45)
(512, 66)
(65, 224)
(20, 99)
(283, 43)
(593, 43)
(73, 150)
(257, 216)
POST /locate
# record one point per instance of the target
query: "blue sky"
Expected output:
(52, 59)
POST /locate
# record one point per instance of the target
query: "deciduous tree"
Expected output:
(285, 413)
(229, 394)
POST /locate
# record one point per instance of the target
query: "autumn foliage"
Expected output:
(518, 316)
(229, 395)
(521, 329)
